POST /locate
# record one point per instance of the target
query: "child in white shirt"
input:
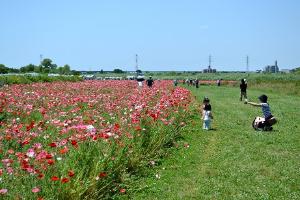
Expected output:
(206, 114)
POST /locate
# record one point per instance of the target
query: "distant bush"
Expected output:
(17, 79)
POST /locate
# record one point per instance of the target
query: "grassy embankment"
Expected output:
(233, 161)
(285, 83)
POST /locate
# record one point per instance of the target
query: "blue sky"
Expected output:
(166, 34)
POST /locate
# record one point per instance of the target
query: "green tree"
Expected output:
(76, 73)
(118, 71)
(38, 69)
(28, 68)
(46, 70)
(46, 63)
(296, 70)
(60, 70)
(53, 68)
(66, 69)
(3, 69)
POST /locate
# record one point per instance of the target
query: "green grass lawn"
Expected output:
(233, 161)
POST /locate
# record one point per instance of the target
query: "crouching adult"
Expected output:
(269, 120)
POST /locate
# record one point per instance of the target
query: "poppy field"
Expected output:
(83, 140)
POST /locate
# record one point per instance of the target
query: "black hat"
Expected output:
(206, 99)
(263, 98)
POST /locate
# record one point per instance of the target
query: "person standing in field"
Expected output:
(197, 83)
(140, 80)
(175, 82)
(269, 120)
(187, 82)
(150, 82)
(206, 114)
(243, 87)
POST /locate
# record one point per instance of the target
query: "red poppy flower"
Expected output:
(64, 180)
(51, 162)
(102, 174)
(71, 173)
(52, 144)
(116, 126)
(40, 176)
(138, 128)
(54, 178)
(64, 150)
(25, 142)
(49, 156)
(30, 126)
(74, 143)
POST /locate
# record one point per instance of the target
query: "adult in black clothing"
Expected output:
(197, 83)
(150, 82)
(243, 87)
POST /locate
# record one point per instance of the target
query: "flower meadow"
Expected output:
(84, 140)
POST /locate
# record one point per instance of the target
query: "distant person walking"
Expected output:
(206, 114)
(243, 87)
(150, 82)
(140, 80)
(218, 82)
(187, 82)
(175, 82)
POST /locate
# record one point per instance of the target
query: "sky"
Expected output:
(167, 35)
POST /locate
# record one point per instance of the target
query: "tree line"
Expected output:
(46, 66)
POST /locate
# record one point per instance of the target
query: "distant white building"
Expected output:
(272, 68)
(89, 77)
(32, 74)
(209, 70)
(286, 70)
(51, 75)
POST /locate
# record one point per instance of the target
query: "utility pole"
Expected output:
(209, 61)
(136, 63)
(41, 58)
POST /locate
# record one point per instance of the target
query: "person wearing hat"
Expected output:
(243, 87)
(150, 81)
(269, 119)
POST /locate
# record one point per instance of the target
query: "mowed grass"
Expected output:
(233, 161)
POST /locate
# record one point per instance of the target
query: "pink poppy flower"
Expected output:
(3, 191)
(35, 189)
